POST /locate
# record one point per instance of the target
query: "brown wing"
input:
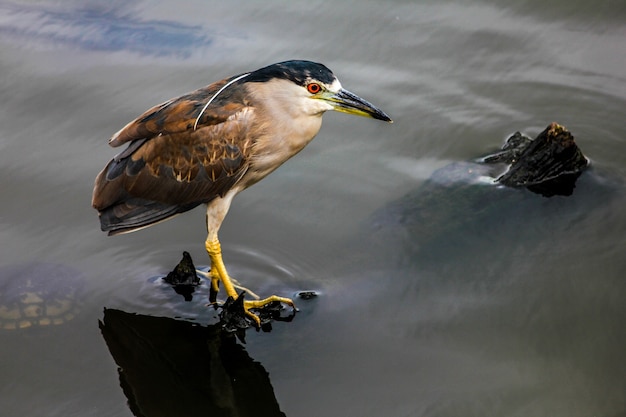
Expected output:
(179, 114)
(170, 167)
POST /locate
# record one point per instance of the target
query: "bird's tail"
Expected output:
(136, 213)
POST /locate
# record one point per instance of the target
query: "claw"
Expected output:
(254, 317)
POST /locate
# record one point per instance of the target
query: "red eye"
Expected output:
(314, 88)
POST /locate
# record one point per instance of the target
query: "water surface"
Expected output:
(505, 304)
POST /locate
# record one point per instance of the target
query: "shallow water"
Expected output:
(501, 303)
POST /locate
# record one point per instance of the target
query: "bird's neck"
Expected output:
(285, 131)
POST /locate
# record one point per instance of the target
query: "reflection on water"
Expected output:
(176, 368)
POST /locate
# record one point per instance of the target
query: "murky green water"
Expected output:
(497, 303)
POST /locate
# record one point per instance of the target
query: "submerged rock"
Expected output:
(486, 198)
(39, 294)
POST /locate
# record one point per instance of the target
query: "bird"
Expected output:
(208, 145)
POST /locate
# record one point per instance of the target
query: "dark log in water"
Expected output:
(548, 165)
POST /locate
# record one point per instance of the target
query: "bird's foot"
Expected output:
(266, 303)
(266, 308)
(237, 312)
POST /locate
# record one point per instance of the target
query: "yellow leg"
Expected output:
(218, 269)
(218, 273)
(215, 283)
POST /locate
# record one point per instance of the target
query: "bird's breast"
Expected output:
(279, 143)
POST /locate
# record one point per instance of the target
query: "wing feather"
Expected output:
(170, 167)
(179, 114)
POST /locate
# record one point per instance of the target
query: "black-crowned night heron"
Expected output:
(208, 145)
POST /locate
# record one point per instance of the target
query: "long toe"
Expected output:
(262, 303)
(266, 308)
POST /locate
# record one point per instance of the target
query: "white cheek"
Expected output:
(335, 86)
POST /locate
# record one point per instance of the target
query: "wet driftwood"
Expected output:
(183, 277)
(184, 273)
(548, 165)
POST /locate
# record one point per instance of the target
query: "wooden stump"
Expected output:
(548, 165)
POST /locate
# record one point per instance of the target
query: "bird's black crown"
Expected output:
(296, 71)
